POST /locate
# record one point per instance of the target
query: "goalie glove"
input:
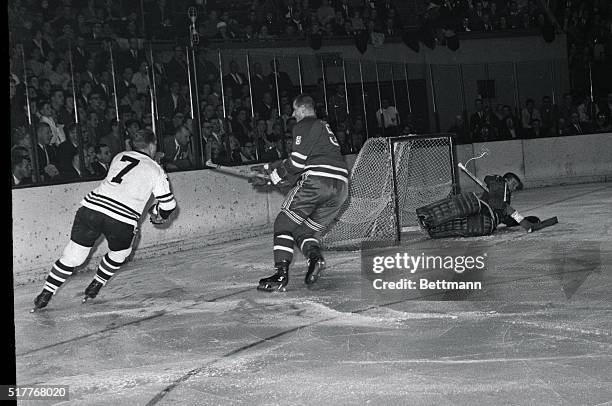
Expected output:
(525, 223)
(155, 216)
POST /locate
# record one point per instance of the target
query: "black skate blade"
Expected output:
(267, 288)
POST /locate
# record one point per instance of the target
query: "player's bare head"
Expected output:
(303, 106)
(513, 181)
(144, 141)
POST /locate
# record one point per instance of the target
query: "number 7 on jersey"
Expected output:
(131, 165)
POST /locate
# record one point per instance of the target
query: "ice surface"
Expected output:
(191, 329)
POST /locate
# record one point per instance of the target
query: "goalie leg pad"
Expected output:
(475, 225)
(442, 211)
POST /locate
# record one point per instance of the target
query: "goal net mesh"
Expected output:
(424, 174)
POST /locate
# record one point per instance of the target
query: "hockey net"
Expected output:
(423, 172)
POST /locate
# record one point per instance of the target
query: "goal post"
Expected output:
(390, 179)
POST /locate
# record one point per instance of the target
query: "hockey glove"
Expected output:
(256, 181)
(525, 223)
(155, 216)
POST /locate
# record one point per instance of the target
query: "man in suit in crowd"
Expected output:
(46, 153)
(177, 151)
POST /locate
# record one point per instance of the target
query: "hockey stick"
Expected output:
(473, 177)
(543, 224)
(246, 173)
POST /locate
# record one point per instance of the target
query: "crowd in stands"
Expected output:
(588, 25)
(64, 46)
(545, 119)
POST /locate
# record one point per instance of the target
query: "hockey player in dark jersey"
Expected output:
(312, 205)
(113, 210)
(468, 215)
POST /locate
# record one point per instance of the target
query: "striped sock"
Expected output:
(283, 247)
(57, 276)
(106, 269)
(309, 245)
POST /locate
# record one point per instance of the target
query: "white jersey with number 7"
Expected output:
(132, 177)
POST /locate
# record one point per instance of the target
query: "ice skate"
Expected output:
(92, 290)
(276, 282)
(41, 300)
(316, 264)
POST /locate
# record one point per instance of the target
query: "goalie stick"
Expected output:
(241, 172)
(473, 177)
(543, 224)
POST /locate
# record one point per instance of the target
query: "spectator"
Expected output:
(337, 105)
(132, 126)
(479, 119)
(567, 108)
(112, 140)
(57, 105)
(284, 82)
(602, 123)
(91, 133)
(535, 130)
(247, 153)
(259, 84)
(265, 108)
(234, 78)
(46, 116)
(562, 128)
(549, 113)
(177, 150)
(510, 132)
(21, 166)
(67, 149)
(208, 29)
(60, 77)
(585, 109)
(74, 171)
(529, 113)
(47, 155)
(207, 71)
(576, 127)
(460, 130)
(176, 68)
(223, 32)
(89, 74)
(388, 119)
(605, 105)
(173, 103)
(39, 42)
(241, 127)
(83, 97)
(140, 79)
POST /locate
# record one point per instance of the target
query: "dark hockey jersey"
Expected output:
(315, 152)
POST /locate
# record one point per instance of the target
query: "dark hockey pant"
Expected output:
(309, 208)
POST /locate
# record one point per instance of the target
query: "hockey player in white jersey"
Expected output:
(113, 210)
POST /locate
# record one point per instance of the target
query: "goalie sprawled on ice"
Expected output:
(469, 215)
